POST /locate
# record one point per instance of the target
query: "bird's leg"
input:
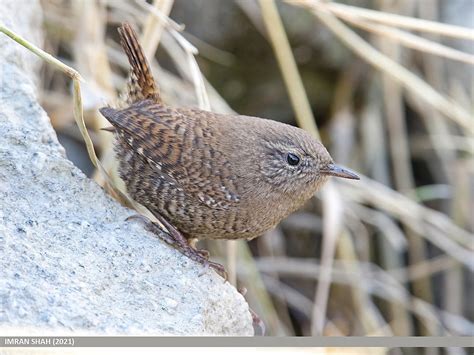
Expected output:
(179, 242)
(205, 253)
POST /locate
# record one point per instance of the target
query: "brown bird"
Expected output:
(210, 175)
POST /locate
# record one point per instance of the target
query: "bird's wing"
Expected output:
(178, 147)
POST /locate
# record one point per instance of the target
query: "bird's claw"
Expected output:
(219, 269)
(204, 253)
(140, 217)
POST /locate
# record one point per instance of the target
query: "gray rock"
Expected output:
(69, 260)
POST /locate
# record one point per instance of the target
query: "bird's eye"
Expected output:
(292, 159)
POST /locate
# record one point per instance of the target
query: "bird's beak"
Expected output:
(335, 170)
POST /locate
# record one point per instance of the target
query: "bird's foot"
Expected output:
(220, 269)
(179, 242)
(204, 253)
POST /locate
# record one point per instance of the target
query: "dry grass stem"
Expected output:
(154, 25)
(190, 52)
(72, 73)
(411, 23)
(414, 42)
(289, 70)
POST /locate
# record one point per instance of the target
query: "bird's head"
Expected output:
(294, 162)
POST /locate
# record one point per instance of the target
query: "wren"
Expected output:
(210, 175)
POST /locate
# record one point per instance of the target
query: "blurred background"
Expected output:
(387, 85)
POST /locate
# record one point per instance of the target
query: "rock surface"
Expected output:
(69, 261)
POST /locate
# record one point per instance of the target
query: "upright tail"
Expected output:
(141, 85)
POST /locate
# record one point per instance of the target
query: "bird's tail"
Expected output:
(141, 84)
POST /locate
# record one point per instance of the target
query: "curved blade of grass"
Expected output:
(72, 73)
